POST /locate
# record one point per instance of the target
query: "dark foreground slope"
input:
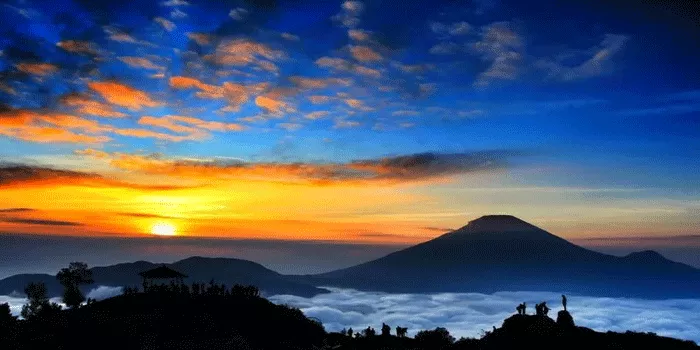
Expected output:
(226, 321)
(198, 269)
(501, 253)
(169, 321)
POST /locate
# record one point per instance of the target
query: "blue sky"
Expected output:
(584, 95)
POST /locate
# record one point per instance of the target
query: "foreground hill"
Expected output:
(198, 269)
(168, 321)
(503, 253)
(218, 318)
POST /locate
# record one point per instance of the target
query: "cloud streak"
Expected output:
(396, 169)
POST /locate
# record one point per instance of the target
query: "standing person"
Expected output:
(563, 301)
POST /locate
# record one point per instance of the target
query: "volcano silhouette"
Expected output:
(503, 253)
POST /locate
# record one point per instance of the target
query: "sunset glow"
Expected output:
(163, 229)
(205, 119)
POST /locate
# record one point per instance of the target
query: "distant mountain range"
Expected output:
(490, 254)
(198, 269)
(503, 253)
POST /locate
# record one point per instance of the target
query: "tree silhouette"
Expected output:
(38, 300)
(71, 278)
(6, 315)
(439, 338)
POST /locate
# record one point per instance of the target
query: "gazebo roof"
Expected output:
(162, 272)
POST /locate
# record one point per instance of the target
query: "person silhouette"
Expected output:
(524, 309)
(563, 301)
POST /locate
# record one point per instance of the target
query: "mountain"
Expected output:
(503, 253)
(198, 269)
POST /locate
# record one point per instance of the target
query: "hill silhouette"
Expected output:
(501, 253)
(199, 269)
(216, 317)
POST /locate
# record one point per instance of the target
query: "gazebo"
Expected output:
(161, 273)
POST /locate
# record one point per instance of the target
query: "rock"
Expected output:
(564, 319)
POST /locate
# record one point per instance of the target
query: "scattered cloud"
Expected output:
(389, 170)
(166, 24)
(316, 115)
(238, 13)
(599, 61)
(349, 13)
(289, 126)
(43, 222)
(78, 46)
(86, 105)
(243, 52)
(444, 48)
(358, 34)
(177, 13)
(173, 3)
(16, 210)
(501, 46)
(140, 62)
(200, 38)
(290, 37)
(364, 53)
(39, 69)
(319, 99)
(123, 95)
(469, 314)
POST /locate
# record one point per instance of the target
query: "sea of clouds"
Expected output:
(469, 314)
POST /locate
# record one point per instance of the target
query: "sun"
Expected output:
(163, 229)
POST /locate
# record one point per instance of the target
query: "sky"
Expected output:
(350, 122)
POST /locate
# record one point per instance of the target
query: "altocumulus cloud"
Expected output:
(467, 314)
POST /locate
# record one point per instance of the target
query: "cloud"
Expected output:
(12, 175)
(289, 126)
(85, 105)
(173, 3)
(271, 104)
(345, 124)
(104, 292)
(238, 13)
(40, 69)
(599, 62)
(318, 83)
(290, 37)
(444, 48)
(140, 62)
(468, 314)
(501, 46)
(457, 28)
(349, 13)
(404, 113)
(78, 46)
(316, 115)
(395, 169)
(200, 38)
(17, 210)
(43, 222)
(195, 127)
(243, 52)
(123, 37)
(123, 95)
(319, 99)
(177, 13)
(358, 35)
(357, 104)
(36, 126)
(364, 53)
(167, 25)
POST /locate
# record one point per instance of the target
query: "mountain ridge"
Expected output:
(502, 252)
